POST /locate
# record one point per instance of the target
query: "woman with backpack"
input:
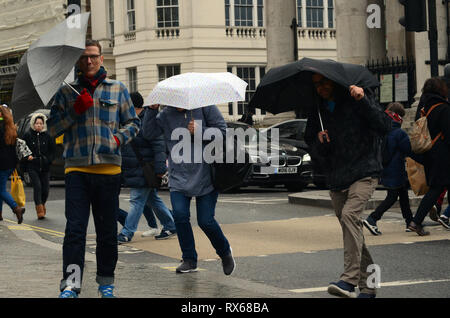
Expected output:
(38, 167)
(396, 147)
(436, 161)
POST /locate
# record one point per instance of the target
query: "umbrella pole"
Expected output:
(320, 118)
(71, 87)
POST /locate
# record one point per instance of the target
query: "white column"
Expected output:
(232, 23)
(304, 22)
(325, 14)
(257, 80)
(235, 104)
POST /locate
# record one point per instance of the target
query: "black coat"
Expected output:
(43, 148)
(151, 150)
(437, 160)
(356, 129)
(8, 157)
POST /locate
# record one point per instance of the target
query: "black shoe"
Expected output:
(165, 235)
(433, 213)
(371, 226)
(228, 263)
(187, 266)
(19, 211)
(418, 229)
(444, 221)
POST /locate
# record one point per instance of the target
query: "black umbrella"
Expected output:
(289, 87)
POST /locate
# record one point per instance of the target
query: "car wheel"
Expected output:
(295, 187)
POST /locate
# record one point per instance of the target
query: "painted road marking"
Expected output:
(253, 201)
(27, 227)
(388, 284)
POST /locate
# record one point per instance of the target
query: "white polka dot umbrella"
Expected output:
(196, 90)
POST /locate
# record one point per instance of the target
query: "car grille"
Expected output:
(292, 161)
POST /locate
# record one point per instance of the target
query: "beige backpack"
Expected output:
(420, 135)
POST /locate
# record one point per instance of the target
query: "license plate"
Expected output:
(287, 170)
(281, 170)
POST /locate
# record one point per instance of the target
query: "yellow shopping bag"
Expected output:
(17, 190)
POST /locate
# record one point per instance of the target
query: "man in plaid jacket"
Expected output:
(95, 122)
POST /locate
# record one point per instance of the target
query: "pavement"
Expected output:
(31, 265)
(31, 268)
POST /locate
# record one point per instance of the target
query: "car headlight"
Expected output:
(306, 158)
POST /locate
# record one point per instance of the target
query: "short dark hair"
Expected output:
(90, 42)
(137, 99)
(397, 108)
(435, 85)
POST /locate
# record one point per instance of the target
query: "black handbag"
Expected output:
(148, 168)
(227, 176)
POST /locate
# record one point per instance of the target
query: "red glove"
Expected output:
(117, 141)
(83, 102)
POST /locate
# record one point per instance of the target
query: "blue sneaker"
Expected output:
(121, 238)
(68, 293)
(106, 291)
(365, 295)
(342, 289)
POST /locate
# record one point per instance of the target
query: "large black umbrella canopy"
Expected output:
(289, 87)
(360, 76)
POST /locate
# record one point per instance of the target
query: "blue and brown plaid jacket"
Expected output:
(89, 137)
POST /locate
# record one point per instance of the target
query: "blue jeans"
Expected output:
(4, 194)
(447, 211)
(139, 197)
(84, 190)
(148, 214)
(206, 206)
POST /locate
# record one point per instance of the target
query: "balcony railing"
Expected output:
(245, 32)
(167, 33)
(258, 32)
(317, 34)
(130, 36)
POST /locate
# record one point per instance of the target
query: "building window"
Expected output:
(330, 14)
(131, 16)
(314, 13)
(252, 75)
(260, 10)
(227, 13)
(132, 79)
(244, 13)
(111, 18)
(166, 71)
(167, 11)
(299, 13)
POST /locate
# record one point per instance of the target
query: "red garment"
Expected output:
(83, 102)
(440, 201)
(396, 117)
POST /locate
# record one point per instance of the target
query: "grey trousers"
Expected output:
(348, 205)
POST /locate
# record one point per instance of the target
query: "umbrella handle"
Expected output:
(320, 118)
(71, 87)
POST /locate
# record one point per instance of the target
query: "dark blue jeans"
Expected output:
(206, 206)
(391, 198)
(101, 192)
(4, 193)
